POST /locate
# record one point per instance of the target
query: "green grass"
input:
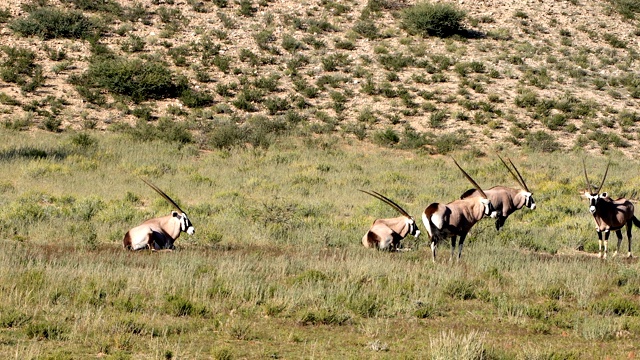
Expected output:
(276, 268)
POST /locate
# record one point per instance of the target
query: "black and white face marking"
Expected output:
(593, 200)
(413, 228)
(528, 201)
(185, 223)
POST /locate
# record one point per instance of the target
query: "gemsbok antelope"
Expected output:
(386, 234)
(159, 233)
(507, 200)
(456, 218)
(609, 215)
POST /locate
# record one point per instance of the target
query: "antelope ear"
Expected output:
(174, 214)
(484, 201)
(604, 195)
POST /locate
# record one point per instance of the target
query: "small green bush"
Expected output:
(5, 15)
(19, 67)
(542, 141)
(196, 99)
(440, 19)
(387, 137)
(134, 78)
(226, 136)
(52, 23)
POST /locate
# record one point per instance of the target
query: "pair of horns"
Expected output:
(519, 177)
(388, 201)
(165, 196)
(475, 184)
(584, 167)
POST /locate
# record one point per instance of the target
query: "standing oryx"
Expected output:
(456, 218)
(504, 199)
(159, 233)
(385, 234)
(609, 214)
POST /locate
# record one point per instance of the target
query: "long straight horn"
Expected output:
(388, 201)
(584, 167)
(604, 177)
(518, 178)
(524, 184)
(165, 196)
(475, 184)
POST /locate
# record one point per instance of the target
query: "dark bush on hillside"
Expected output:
(426, 19)
(196, 99)
(226, 136)
(52, 23)
(166, 130)
(627, 8)
(258, 131)
(387, 137)
(19, 67)
(133, 78)
(542, 142)
(5, 15)
(108, 6)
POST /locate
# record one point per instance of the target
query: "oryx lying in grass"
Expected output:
(456, 218)
(159, 233)
(386, 234)
(609, 215)
(504, 199)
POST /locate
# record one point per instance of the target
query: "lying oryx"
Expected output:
(386, 234)
(609, 215)
(507, 200)
(456, 218)
(159, 233)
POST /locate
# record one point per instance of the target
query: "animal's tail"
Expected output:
(635, 220)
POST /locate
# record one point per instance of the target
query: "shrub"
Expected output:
(109, 6)
(447, 143)
(441, 19)
(627, 8)
(227, 135)
(542, 142)
(5, 15)
(196, 99)
(19, 67)
(134, 78)
(367, 29)
(52, 23)
(387, 137)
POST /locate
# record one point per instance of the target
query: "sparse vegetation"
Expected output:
(262, 119)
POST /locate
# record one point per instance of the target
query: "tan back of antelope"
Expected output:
(507, 200)
(386, 234)
(456, 218)
(159, 233)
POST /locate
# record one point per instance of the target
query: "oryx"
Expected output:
(609, 214)
(507, 200)
(159, 233)
(456, 218)
(385, 234)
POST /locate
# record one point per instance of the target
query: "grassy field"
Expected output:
(276, 268)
